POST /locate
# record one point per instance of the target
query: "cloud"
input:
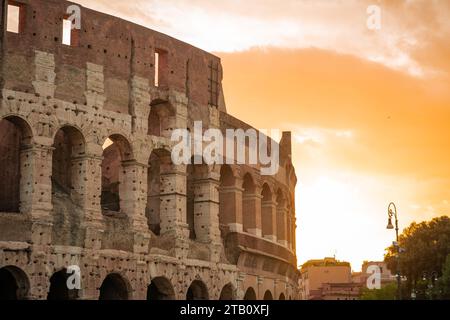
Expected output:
(338, 26)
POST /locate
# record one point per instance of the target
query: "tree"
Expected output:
(387, 292)
(443, 286)
(425, 248)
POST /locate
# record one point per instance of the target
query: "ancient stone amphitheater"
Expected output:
(86, 176)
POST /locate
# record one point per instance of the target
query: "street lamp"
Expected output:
(392, 213)
(431, 281)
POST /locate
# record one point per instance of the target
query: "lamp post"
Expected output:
(392, 213)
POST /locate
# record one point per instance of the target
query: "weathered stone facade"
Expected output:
(137, 226)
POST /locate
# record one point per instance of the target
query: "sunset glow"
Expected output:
(369, 110)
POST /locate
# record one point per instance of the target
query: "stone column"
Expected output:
(251, 212)
(173, 202)
(133, 200)
(231, 207)
(269, 220)
(36, 191)
(281, 226)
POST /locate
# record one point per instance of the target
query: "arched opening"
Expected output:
(268, 295)
(160, 289)
(68, 185)
(248, 209)
(15, 135)
(116, 151)
(250, 294)
(227, 292)
(160, 166)
(161, 120)
(114, 287)
(227, 197)
(268, 213)
(59, 289)
(14, 284)
(282, 297)
(197, 291)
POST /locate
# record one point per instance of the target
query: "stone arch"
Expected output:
(228, 292)
(117, 152)
(58, 287)
(115, 287)
(228, 208)
(160, 289)
(160, 166)
(250, 294)
(68, 184)
(14, 284)
(282, 297)
(15, 135)
(268, 295)
(248, 204)
(281, 218)
(197, 291)
(161, 120)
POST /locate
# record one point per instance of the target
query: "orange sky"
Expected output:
(369, 110)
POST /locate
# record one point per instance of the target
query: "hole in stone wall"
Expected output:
(161, 68)
(13, 23)
(67, 32)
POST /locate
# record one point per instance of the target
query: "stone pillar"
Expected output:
(95, 87)
(281, 226)
(173, 202)
(90, 190)
(269, 220)
(140, 104)
(288, 230)
(251, 213)
(36, 192)
(231, 208)
(133, 200)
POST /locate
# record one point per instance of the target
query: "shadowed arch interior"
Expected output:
(227, 292)
(197, 291)
(227, 196)
(116, 151)
(250, 294)
(161, 119)
(268, 295)
(114, 287)
(248, 208)
(67, 185)
(15, 135)
(14, 284)
(160, 165)
(160, 289)
(59, 289)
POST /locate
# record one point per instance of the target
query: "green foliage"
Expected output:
(427, 247)
(387, 292)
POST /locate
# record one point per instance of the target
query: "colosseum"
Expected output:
(87, 177)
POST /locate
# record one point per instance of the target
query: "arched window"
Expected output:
(268, 213)
(227, 292)
(227, 197)
(14, 284)
(268, 295)
(160, 289)
(59, 289)
(161, 121)
(160, 165)
(281, 218)
(197, 291)
(116, 151)
(250, 294)
(15, 134)
(114, 287)
(68, 185)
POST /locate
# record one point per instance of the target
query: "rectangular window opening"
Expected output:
(13, 18)
(67, 32)
(156, 69)
(161, 68)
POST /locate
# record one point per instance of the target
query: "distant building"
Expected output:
(339, 291)
(362, 277)
(318, 276)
